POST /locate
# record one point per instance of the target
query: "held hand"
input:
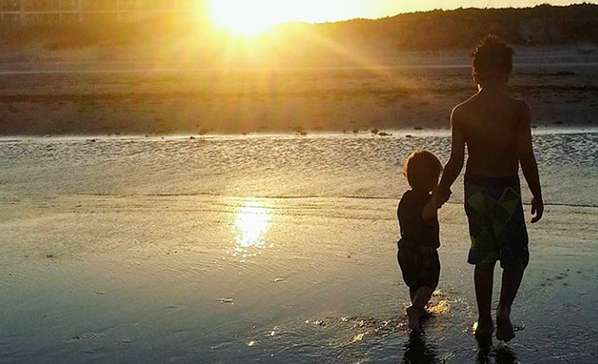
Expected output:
(537, 209)
(439, 198)
(442, 197)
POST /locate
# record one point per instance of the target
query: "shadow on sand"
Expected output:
(418, 351)
(501, 354)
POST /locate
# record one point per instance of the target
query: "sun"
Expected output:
(253, 17)
(248, 18)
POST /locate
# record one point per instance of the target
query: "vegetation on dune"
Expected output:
(438, 29)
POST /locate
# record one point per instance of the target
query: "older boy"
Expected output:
(496, 130)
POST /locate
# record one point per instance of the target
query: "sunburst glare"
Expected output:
(247, 18)
(252, 18)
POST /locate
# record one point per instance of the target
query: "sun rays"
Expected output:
(252, 18)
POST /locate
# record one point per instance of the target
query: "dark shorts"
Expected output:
(420, 267)
(496, 221)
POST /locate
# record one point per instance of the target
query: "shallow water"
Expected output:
(267, 249)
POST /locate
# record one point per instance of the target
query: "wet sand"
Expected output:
(136, 250)
(108, 279)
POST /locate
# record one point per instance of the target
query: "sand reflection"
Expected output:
(250, 228)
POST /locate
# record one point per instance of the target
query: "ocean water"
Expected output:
(275, 249)
(323, 166)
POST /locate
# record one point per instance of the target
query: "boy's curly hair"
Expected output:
(492, 58)
(420, 166)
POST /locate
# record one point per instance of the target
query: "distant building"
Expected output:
(15, 13)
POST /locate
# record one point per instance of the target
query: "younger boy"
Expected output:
(496, 130)
(417, 254)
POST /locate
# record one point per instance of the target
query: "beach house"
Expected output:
(17, 13)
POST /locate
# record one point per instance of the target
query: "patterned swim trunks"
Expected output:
(496, 221)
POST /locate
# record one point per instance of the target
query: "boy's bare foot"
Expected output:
(483, 329)
(413, 318)
(504, 328)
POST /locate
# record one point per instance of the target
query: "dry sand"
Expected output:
(126, 98)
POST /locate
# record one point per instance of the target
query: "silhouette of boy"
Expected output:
(417, 255)
(496, 130)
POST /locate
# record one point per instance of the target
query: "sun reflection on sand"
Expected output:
(439, 305)
(250, 227)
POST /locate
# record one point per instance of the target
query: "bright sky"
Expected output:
(254, 16)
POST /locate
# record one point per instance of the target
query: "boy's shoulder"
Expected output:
(519, 104)
(462, 108)
(471, 105)
(476, 99)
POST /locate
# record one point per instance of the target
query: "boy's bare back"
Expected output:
(494, 127)
(491, 126)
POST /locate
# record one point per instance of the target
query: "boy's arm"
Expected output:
(455, 164)
(529, 166)
(451, 170)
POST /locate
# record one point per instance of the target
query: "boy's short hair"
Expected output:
(492, 58)
(420, 166)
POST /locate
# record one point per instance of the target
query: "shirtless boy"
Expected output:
(496, 130)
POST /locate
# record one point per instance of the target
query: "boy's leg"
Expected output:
(416, 310)
(484, 277)
(511, 280)
(479, 204)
